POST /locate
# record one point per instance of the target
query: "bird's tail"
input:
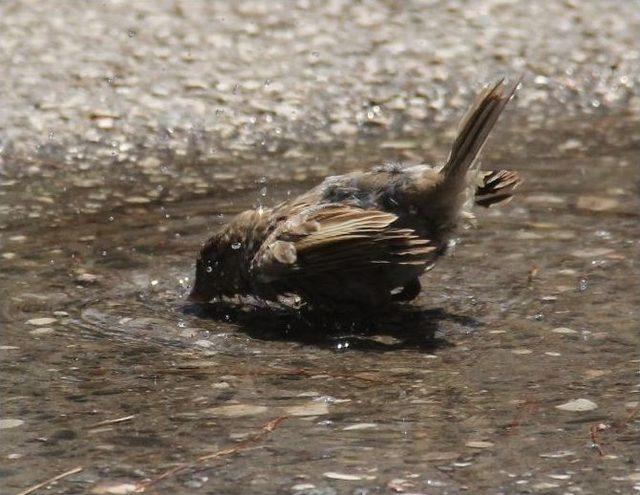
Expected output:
(497, 187)
(475, 128)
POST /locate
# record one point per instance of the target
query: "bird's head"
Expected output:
(222, 267)
(218, 267)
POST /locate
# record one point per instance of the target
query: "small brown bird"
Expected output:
(359, 240)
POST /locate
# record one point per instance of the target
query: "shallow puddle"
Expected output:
(516, 371)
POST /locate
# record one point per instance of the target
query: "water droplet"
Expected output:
(111, 219)
(209, 269)
(236, 245)
(263, 192)
(131, 33)
(181, 324)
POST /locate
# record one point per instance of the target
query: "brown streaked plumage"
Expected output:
(362, 239)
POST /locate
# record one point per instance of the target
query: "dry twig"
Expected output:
(618, 426)
(113, 421)
(595, 437)
(51, 480)
(266, 429)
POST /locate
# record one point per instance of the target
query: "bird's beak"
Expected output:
(198, 297)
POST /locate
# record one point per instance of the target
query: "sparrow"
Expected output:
(360, 240)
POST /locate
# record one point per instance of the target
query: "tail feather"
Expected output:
(475, 128)
(497, 187)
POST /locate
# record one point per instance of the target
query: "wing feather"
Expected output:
(342, 238)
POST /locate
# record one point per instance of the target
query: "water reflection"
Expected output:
(401, 328)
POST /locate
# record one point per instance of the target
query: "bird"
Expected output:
(359, 241)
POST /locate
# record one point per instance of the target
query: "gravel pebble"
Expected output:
(479, 444)
(564, 331)
(42, 331)
(41, 321)
(578, 405)
(236, 410)
(7, 423)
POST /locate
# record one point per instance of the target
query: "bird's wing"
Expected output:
(337, 238)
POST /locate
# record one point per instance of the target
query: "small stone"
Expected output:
(137, 200)
(9, 256)
(115, 489)
(342, 476)
(479, 444)
(195, 84)
(545, 486)
(7, 423)
(104, 123)
(559, 476)
(558, 454)
(221, 385)
(41, 321)
(596, 203)
(18, 238)
(591, 253)
(591, 374)
(578, 405)
(87, 278)
(102, 113)
(8, 348)
(521, 351)
(544, 199)
(303, 486)
(564, 331)
(400, 485)
(360, 426)
(236, 410)
(570, 145)
(41, 331)
(310, 409)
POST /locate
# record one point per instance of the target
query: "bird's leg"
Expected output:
(409, 291)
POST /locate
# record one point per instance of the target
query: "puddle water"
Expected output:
(106, 367)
